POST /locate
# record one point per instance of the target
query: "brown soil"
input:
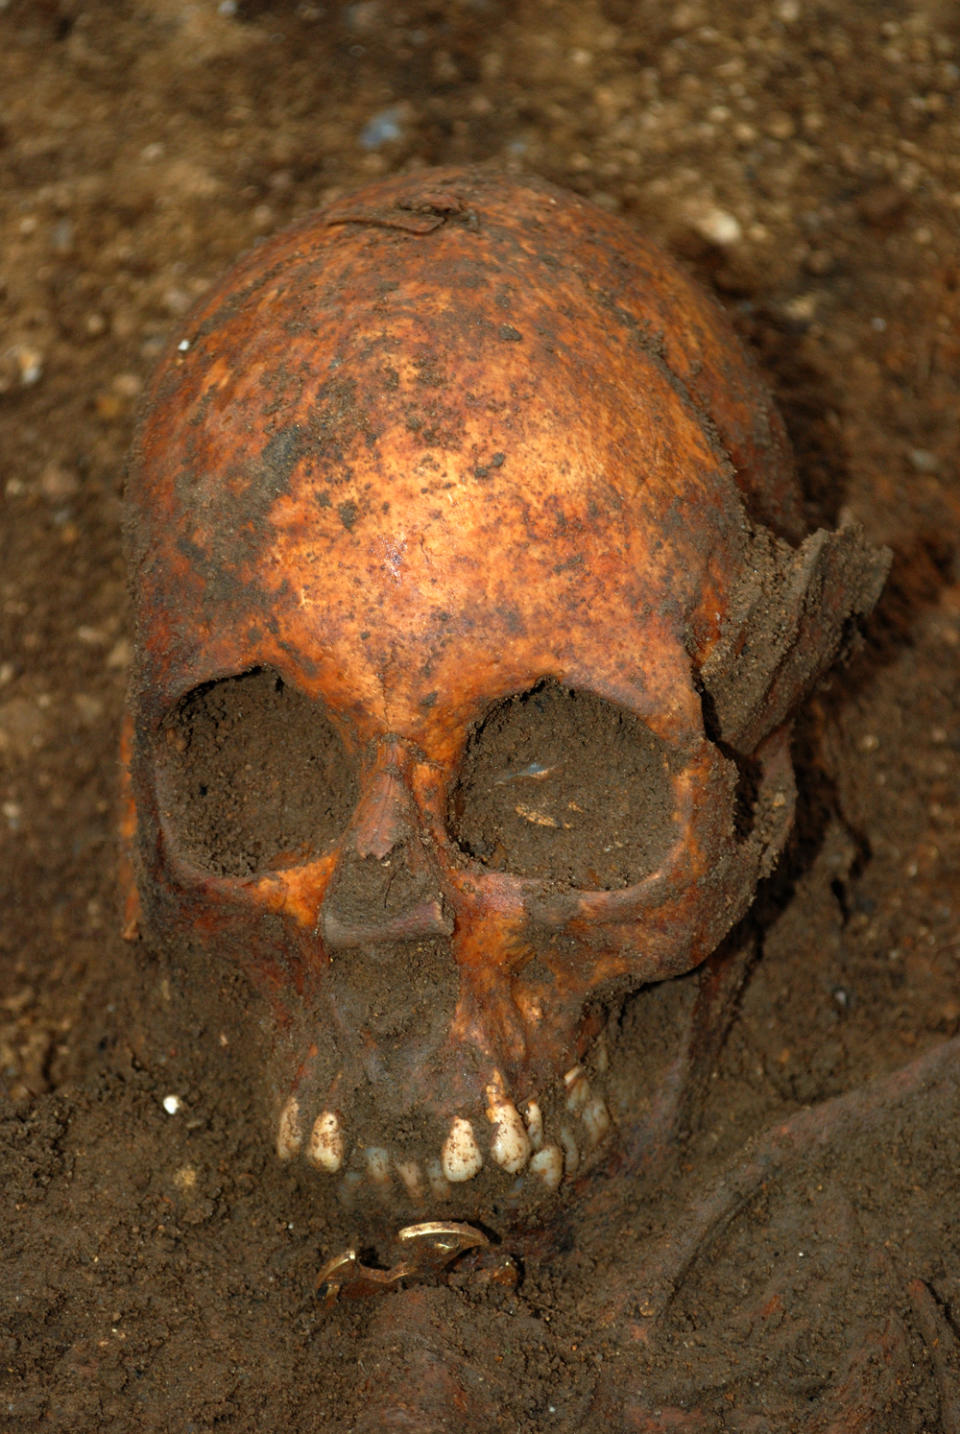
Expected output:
(794, 1268)
(562, 785)
(255, 775)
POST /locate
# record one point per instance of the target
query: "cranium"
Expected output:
(472, 606)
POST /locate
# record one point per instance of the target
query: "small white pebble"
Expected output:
(183, 345)
(172, 1104)
(717, 226)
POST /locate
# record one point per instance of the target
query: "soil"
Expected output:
(562, 785)
(256, 776)
(795, 1263)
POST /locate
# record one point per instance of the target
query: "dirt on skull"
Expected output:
(254, 775)
(561, 785)
(555, 783)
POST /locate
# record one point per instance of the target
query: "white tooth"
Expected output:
(571, 1155)
(572, 1075)
(438, 1181)
(325, 1150)
(409, 1172)
(596, 1119)
(534, 1119)
(601, 1056)
(547, 1165)
(460, 1156)
(578, 1092)
(510, 1146)
(289, 1130)
(378, 1164)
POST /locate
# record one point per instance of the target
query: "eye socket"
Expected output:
(560, 784)
(253, 775)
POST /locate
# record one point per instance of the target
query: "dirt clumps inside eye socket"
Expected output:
(563, 785)
(253, 775)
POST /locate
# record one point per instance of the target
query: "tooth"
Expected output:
(596, 1119)
(325, 1150)
(289, 1130)
(438, 1181)
(349, 1186)
(409, 1172)
(601, 1056)
(378, 1164)
(510, 1146)
(460, 1156)
(571, 1155)
(547, 1165)
(578, 1090)
(534, 1119)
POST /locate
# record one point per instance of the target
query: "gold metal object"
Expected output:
(427, 1248)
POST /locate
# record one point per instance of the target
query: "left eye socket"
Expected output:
(562, 785)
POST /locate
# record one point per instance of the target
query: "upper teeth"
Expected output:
(516, 1142)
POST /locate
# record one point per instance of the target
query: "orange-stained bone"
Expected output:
(450, 439)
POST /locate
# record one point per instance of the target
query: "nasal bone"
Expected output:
(384, 821)
(386, 886)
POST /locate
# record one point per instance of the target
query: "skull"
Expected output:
(472, 605)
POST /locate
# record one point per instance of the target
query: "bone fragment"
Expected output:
(460, 1156)
(547, 1166)
(289, 1130)
(539, 819)
(325, 1149)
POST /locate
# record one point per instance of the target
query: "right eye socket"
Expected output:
(253, 775)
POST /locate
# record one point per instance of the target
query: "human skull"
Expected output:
(472, 605)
